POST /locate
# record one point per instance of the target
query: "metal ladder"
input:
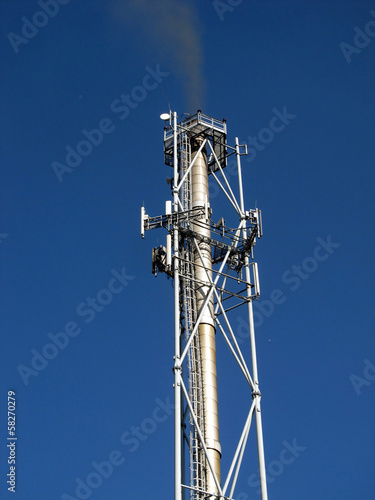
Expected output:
(198, 461)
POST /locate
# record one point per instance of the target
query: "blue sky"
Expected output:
(70, 233)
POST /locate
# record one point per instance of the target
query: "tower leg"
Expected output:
(256, 393)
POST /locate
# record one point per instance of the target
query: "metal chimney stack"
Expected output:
(203, 275)
(214, 273)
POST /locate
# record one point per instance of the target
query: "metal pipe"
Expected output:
(241, 446)
(203, 269)
(256, 392)
(177, 364)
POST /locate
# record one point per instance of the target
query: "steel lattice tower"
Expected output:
(214, 273)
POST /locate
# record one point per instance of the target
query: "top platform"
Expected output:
(199, 125)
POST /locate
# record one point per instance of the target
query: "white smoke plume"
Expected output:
(172, 27)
